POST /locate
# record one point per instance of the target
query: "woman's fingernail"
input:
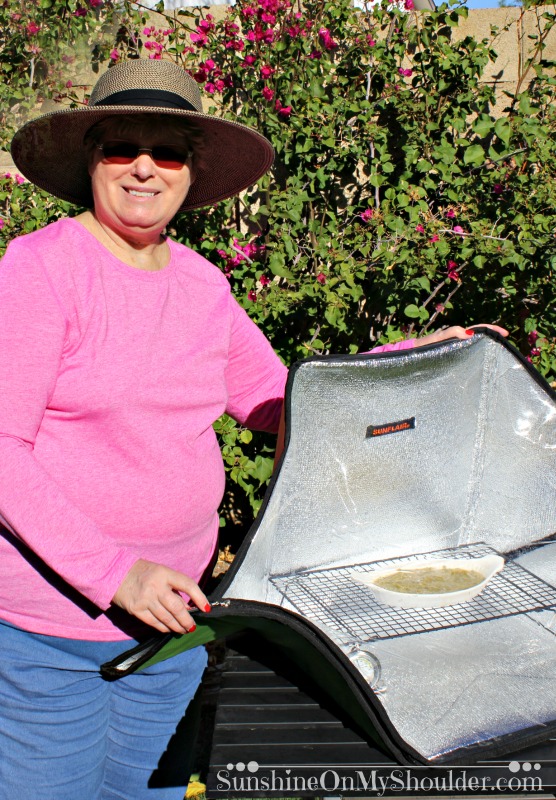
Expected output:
(207, 608)
(469, 332)
(192, 628)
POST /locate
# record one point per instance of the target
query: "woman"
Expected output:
(119, 349)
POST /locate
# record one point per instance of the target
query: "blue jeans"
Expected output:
(67, 734)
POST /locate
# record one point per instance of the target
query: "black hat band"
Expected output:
(147, 97)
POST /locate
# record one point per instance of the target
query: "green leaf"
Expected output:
(277, 265)
(473, 155)
(412, 311)
(503, 130)
(483, 126)
(316, 88)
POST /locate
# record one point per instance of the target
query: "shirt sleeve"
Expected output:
(33, 332)
(255, 376)
(405, 344)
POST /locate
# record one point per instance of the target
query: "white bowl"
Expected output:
(488, 566)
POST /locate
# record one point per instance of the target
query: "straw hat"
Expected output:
(49, 149)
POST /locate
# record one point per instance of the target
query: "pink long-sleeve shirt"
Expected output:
(110, 380)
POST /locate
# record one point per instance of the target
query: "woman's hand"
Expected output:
(149, 591)
(456, 332)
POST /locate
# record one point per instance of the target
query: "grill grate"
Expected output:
(330, 597)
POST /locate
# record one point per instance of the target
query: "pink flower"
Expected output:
(268, 93)
(206, 25)
(420, 228)
(367, 214)
(32, 27)
(69, 84)
(269, 18)
(458, 229)
(321, 278)
(406, 72)
(327, 40)
(80, 12)
(535, 352)
(266, 72)
(249, 60)
(409, 5)
(451, 271)
(7, 174)
(198, 38)
(114, 55)
(440, 308)
(285, 112)
(95, 3)
(451, 213)
(2, 223)
(315, 54)
(264, 280)
(532, 338)
(148, 31)
(208, 64)
(370, 41)
(435, 238)
(252, 296)
(248, 11)
(210, 87)
(235, 44)
(497, 188)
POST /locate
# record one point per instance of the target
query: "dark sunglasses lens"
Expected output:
(168, 158)
(120, 152)
(126, 152)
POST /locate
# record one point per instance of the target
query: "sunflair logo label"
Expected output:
(390, 427)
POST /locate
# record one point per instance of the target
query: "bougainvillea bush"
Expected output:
(399, 202)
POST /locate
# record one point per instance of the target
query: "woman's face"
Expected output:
(139, 199)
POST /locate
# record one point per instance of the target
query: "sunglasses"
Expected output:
(163, 155)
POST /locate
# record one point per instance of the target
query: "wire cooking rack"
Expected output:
(330, 596)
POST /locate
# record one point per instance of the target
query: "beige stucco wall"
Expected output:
(513, 45)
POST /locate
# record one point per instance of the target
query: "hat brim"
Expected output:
(49, 152)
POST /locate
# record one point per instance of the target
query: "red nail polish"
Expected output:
(469, 332)
(192, 629)
(207, 608)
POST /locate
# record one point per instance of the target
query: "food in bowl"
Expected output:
(430, 583)
(430, 580)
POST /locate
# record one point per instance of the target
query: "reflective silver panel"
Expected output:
(465, 453)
